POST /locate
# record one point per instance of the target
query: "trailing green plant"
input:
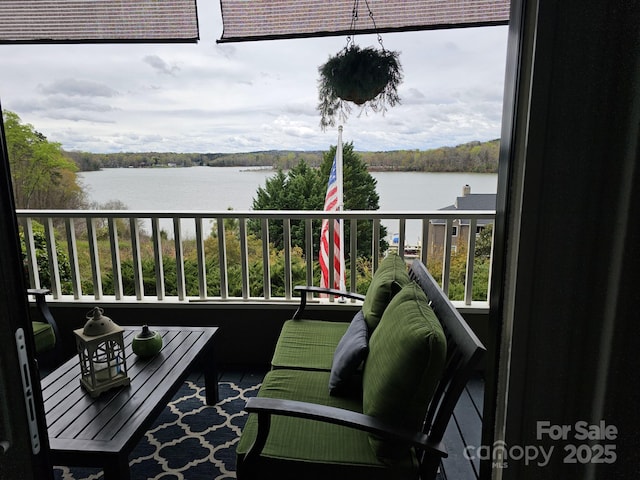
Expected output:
(367, 77)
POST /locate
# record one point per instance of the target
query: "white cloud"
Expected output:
(210, 97)
(160, 65)
(77, 87)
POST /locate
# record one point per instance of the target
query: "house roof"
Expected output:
(471, 201)
(87, 21)
(246, 20)
(476, 201)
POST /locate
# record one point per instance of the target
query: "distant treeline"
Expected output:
(480, 157)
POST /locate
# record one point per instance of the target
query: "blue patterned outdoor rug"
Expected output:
(190, 440)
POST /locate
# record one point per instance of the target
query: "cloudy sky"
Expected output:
(250, 96)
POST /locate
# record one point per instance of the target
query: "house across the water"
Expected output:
(467, 202)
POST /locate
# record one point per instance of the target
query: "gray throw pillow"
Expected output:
(351, 351)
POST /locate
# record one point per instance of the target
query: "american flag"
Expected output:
(332, 202)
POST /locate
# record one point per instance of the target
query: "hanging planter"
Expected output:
(366, 77)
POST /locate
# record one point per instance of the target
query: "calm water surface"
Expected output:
(220, 188)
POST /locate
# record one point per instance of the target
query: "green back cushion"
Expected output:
(387, 280)
(406, 359)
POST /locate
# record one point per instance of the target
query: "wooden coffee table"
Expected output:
(102, 432)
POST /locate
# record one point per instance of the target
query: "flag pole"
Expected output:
(339, 179)
(339, 170)
(332, 245)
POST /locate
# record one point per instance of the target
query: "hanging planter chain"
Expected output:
(354, 19)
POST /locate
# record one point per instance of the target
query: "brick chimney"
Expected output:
(466, 190)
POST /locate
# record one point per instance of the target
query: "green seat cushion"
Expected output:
(387, 280)
(307, 344)
(44, 336)
(406, 359)
(300, 448)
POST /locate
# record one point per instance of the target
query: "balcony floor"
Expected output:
(464, 430)
(198, 441)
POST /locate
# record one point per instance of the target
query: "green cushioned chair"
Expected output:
(300, 448)
(45, 331)
(390, 429)
(310, 344)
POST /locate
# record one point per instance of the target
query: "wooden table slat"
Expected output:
(139, 407)
(60, 397)
(91, 420)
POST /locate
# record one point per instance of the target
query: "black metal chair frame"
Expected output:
(464, 351)
(51, 357)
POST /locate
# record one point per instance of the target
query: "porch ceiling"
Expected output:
(89, 21)
(248, 20)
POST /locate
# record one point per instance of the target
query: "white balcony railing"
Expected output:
(72, 252)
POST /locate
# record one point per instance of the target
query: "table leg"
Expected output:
(210, 377)
(117, 469)
(211, 384)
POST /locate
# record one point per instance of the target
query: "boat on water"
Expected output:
(411, 252)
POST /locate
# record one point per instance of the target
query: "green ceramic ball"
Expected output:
(147, 343)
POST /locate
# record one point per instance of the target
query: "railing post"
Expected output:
(353, 254)
(222, 258)
(402, 233)
(424, 249)
(202, 266)
(95, 258)
(72, 248)
(54, 270)
(375, 249)
(157, 256)
(136, 258)
(32, 260)
(244, 259)
(471, 249)
(309, 253)
(116, 267)
(286, 233)
(446, 260)
(266, 264)
(180, 280)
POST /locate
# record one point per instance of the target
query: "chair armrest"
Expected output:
(328, 291)
(265, 407)
(41, 304)
(304, 289)
(47, 316)
(38, 291)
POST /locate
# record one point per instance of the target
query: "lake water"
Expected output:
(220, 188)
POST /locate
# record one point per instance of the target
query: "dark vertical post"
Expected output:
(570, 249)
(17, 458)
